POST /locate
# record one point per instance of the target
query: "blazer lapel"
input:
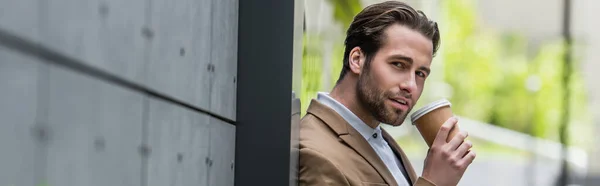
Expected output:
(399, 153)
(351, 137)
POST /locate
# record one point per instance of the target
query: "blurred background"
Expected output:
(520, 74)
(175, 92)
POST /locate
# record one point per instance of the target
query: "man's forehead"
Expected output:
(401, 40)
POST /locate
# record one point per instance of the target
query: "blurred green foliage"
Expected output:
(493, 76)
(344, 10)
(312, 61)
(495, 81)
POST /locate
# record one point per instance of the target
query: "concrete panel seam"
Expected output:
(45, 54)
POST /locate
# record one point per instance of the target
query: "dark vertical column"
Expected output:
(563, 179)
(265, 54)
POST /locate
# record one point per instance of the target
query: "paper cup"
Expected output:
(430, 118)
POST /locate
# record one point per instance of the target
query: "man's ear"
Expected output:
(356, 60)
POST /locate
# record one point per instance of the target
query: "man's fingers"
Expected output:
(468, 159)
(458, 139)
(462, 149)
(442, 134)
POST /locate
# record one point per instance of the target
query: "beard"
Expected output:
(373, 100)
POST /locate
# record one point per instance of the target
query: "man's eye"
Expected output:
(398, 64)
(421, 74)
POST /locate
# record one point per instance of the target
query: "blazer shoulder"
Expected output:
(310, 124)
(310, 119)
(314, 131)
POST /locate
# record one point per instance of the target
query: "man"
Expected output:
(389, 49)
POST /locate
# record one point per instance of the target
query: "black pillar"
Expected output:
(265, 48)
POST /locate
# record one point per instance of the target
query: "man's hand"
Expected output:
(446, 162)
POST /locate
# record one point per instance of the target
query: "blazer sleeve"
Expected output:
(315, 169)
(423, 182)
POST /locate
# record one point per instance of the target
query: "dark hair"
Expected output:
(367, 29)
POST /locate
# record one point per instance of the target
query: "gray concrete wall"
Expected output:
(120, 93)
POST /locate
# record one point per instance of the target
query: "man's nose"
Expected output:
(409, 84)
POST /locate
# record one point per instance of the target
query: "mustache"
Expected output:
(399, 94)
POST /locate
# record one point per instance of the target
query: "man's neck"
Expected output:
(346, 95)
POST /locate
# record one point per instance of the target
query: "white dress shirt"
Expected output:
(373, 136)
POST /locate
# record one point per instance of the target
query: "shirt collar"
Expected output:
(362, 128)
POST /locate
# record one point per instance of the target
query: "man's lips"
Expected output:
(400, 103)
(402, 100)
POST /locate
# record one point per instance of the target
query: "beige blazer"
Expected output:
(332, 152)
